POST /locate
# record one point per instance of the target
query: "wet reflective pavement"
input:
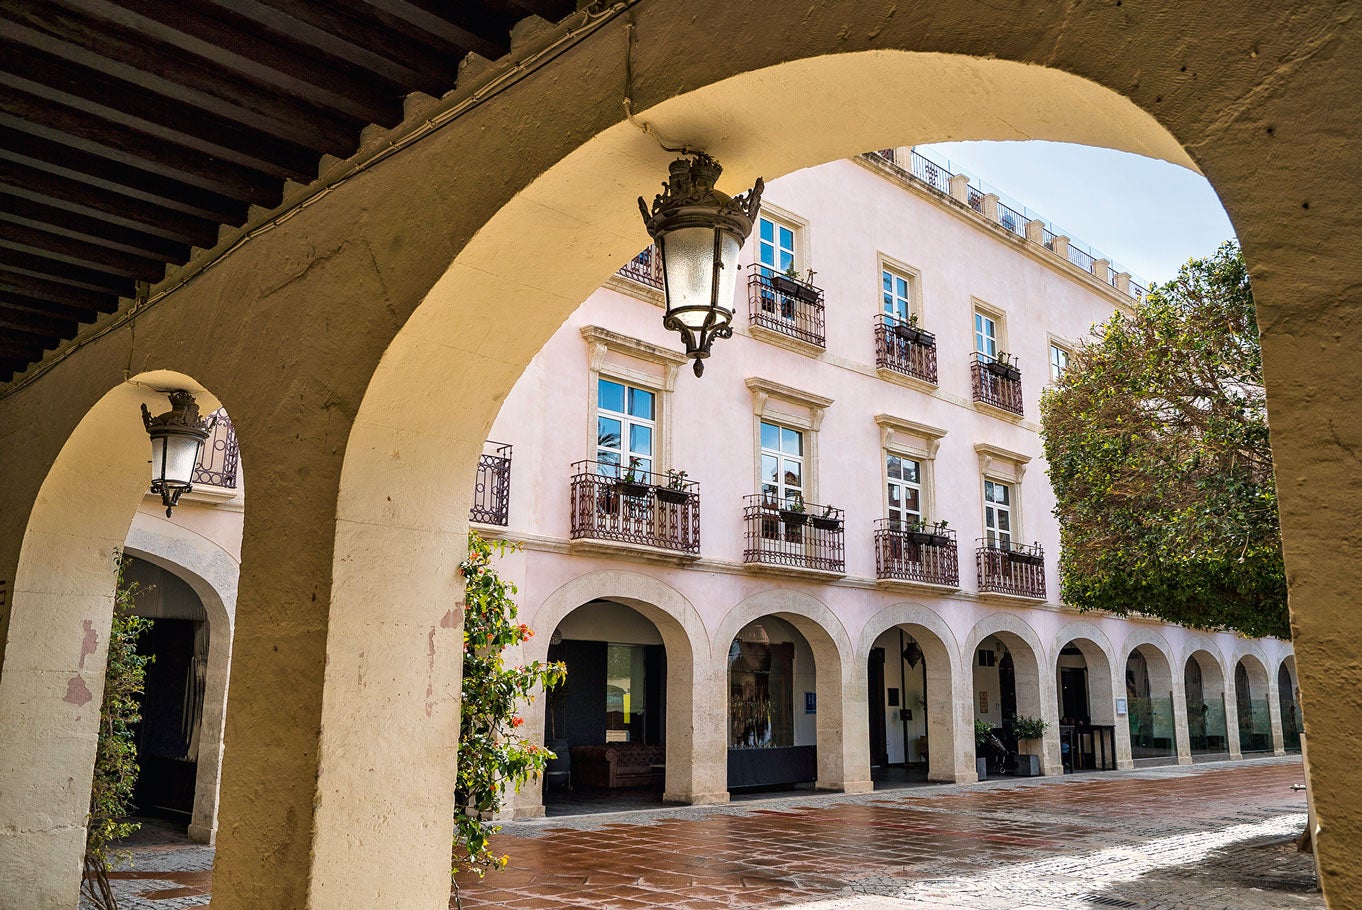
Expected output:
(1203, 837)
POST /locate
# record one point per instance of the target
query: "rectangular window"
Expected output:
(782, 465)
(626, 426)
(987, 659)
(897, 303)
(998, 514)
(985, 335)
(775, 246)
(625, 685)
(905, 491)
(1059, 362)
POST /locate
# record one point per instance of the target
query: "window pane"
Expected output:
(794, 473)
(791, 441)
(910, 471)
(608, 432)
(1004, 522)
(910, 499)
(989, 521)
(770, 469)
(768, 230)
(641, 403)
(894, 501)
(1000, 492)
(895, 466)
(888, 284)
(640, 440)
(786, 260)
(641, 466)
(609, 463)
(611, 396)
(770, 436)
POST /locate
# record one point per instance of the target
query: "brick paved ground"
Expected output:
(1190, 838)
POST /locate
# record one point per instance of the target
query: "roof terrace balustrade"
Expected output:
(492, 488)
(645, 268)
(785, 535)
(1011, 569)
(904, 348)
(786, 306)
(996, 382)
(916, 554)
(635, 508)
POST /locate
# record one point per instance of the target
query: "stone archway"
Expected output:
(1096, 653)
(949, 713)
(1259, 725)
(1156, 701)
(359, 261)
(1289, 704)
(842, 731)
(1034, 687)
(1208, 715)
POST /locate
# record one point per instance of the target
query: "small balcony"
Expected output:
(221, 456)
(637, 508)
(781, 535)
(905, 349)
(785, 306)
(1011, 569)
(492, 488)
(645, 268)
(997, 381)
(916, 554)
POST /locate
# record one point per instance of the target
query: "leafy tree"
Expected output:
(1157, 440)
(492, 754)
(116, 753)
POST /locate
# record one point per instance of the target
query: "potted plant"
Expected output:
(633, 482)
(786, 282)
(1027, 557)
(910, 332)
(1003, 364)
(805, 290)
(982, 731)
(794, 515)
(1029, 731)
(827, 521)
(916, 532)
(675, 490)
(937, 537)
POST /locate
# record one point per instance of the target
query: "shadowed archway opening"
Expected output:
(1251, 705)
(1087, 731)
(1150, 706)
(1007, 685)
(1289, 697)
(1206, 705)
(909, 686)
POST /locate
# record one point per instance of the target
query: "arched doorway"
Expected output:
(772, 707)
(1290, 705)
(1150, 705)
(1251, 705)
(1007, 685)
(1086, 709)
(909, 683)
(1206, 720)
(608, 723)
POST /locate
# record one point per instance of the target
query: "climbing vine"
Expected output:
(493, 755)
(116, 753)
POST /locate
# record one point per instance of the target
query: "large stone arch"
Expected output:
(357, 262)
(843, 733)
(696, 758)
(1165, 675)
(1103, 681)
(212, 573)
(949, 716)
(1035, 685)
(1262, 687)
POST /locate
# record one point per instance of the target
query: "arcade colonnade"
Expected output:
(361, 348)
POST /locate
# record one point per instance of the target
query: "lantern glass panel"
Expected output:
(181, 456)
(689, 261)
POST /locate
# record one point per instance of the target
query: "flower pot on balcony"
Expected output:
(792, 518)
(921, 538)
(1026, 559)
(827, 524)
(632, 488)
(937, 540)
(786, 285)
(913, 334)
(807, 293)
(670, 494)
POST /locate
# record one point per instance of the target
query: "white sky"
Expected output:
(1149, 216)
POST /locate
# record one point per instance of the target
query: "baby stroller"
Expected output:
(1001, 760)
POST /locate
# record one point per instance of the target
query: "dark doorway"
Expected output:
(165, 737)
(1007, 683)
(879, 739)
(1073, 688)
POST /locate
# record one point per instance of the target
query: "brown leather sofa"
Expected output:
(614, 765)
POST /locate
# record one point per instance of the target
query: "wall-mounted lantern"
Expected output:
(698, 232)
(177, 438)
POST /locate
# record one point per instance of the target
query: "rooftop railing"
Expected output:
(221, 455)
(1007, 568)
(492, 487)
(645, 268)
(635, 507)
(787, 306)
(915, 553)
(996, 381)
(905, 348)
(779, 534)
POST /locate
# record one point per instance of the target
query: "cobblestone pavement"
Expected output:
(1206, 837)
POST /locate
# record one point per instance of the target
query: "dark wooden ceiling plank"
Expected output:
(366, 38)
(23, 305)
(268, 59)
(36, 329)
(79, 253)
(61, 192)
(93, 229)
(59, 123)
(43, 154)
(15, 347)
(116, 101)
(35, 266)
(167, 71)
(55, 292)
(451, 21)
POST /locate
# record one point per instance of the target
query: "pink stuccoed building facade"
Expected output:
(820, 564)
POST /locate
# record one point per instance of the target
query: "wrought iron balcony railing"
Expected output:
(1011, 569)
(925, 555)
(492, 489)
(786, 306)
(638, 507)
(218, 462)
(779, 534)
(996, 382)
(645, 268)
(905, 348)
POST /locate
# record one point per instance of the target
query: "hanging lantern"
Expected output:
(912, 654)
(177, 438)
(698, 232)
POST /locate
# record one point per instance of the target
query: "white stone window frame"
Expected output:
(999, 318)
(778, 403)
(803, 258)
(1003, 466)
(918, 441)
(621, 358)
(887, 263)
(1054, 341)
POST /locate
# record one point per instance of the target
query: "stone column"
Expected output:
(1035, 231)
(991, 206)
(1274, 713)
(960, 188)
(1181, 732)
(697, 742)
(1232, 717)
